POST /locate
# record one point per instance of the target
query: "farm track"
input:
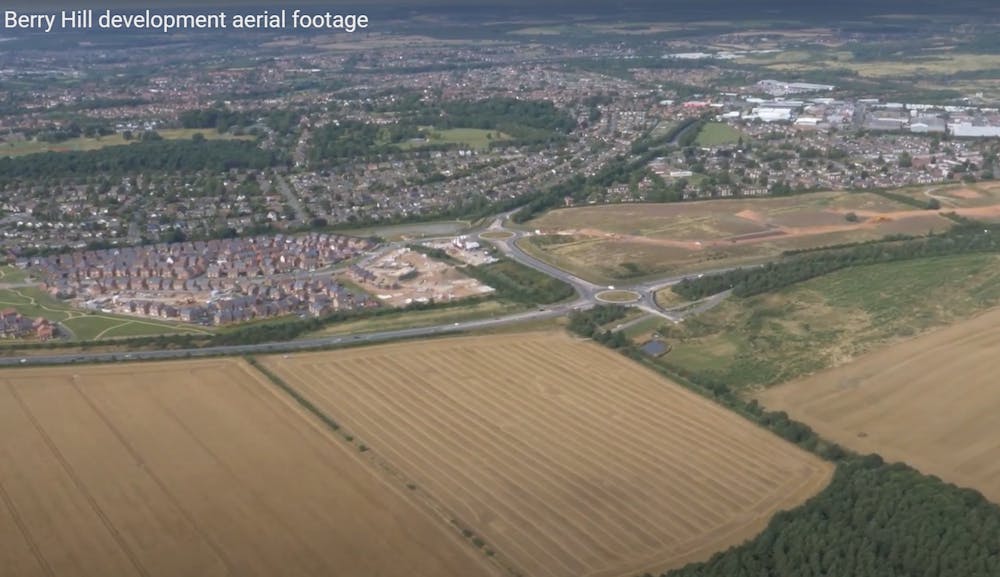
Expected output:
(565, 458)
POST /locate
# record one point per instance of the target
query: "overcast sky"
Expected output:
(548, 6)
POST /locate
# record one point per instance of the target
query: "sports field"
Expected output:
(931, 402)
(560, 456)
(195, 469)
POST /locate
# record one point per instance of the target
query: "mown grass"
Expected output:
(827, 321)
(87, 325)
(717, 134)
(12, 275)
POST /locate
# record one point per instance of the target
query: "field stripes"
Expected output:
(194, 468)
(565, 457)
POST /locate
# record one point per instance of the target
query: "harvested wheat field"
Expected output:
(932, 402)
(194, 469)
(563, 457)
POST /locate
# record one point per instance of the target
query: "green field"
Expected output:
(829, 320)
(86, 325)
(414, 319)
(12, 275)
(717, 134)
(471, 137)
(83, 143)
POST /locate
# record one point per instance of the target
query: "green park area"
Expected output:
(717, 134)
(21, 148)
(87, 325)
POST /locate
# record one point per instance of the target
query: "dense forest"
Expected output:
(964, 238)
(148, 155)
(873, 520)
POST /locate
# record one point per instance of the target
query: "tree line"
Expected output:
(145, 156)
(961, 239)
(590, 323)
(873, 520)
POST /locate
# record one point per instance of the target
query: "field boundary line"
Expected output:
(465, 531)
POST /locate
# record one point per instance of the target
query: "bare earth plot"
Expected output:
(194, 469)
(564, 457)
(611, 241)
(932, 402)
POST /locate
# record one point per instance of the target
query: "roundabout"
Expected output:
(496, 235)
(618, 296)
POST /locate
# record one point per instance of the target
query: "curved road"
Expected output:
(585, 290)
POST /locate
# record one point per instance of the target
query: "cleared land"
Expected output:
(562, 456)
(88, 143)
(614, 242)
(194, 468)
(931, 402)
(830, 320)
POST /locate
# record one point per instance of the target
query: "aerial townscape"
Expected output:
(581, 289)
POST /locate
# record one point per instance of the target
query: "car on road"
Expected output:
(24, 361)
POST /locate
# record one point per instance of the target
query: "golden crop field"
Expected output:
(932, 402)
(564, 457)
(195, 469)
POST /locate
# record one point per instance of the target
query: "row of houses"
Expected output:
(14, 325)
(313, 296)
(226, 258)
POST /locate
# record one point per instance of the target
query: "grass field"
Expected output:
(411, 319)
(195, 468)
(717, 134)
(472, 137)
(85, 325)
(84, 143)
(827, 321)
(522, 440)
(611, 243)
(931, 402)
(12, 275)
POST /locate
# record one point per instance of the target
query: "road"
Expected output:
(286, 190)
(586, 298)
